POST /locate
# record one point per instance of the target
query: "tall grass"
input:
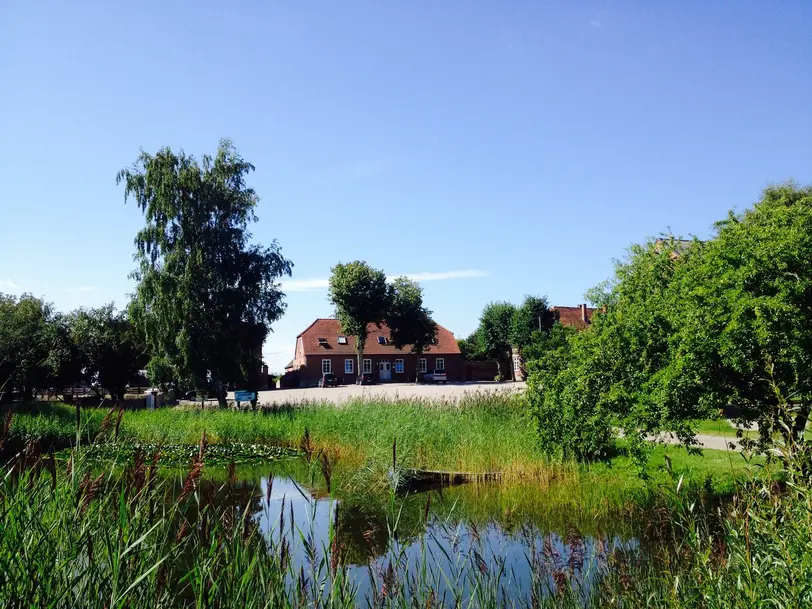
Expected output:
(71, 536)
(480, 433)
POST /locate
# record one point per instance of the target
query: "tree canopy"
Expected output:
(361, 297)
(108, 350)
(410, 323)
(690, 328)
(206, 295)
(533, 315)
(494, 333)
(26, 334)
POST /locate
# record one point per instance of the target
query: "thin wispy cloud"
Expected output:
(596, 23)
(82, 289)
(8, 284)
(466, 274)
(321, 283)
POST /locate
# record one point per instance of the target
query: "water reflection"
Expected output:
(384, 542)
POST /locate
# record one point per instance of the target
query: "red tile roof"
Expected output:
(330, 329)
(574, 316)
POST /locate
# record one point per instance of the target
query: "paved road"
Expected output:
(712, 442)
(403, 391)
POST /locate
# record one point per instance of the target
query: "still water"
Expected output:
(462, 536)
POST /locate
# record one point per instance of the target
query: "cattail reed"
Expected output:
(118, 422)
(306, 445)
(7, 420)
(326, 466)
(269, 489)
(190, 484)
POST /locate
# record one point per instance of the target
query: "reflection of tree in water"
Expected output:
(362, 533)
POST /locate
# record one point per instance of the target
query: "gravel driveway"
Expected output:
(390, 391)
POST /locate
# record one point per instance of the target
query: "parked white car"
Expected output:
(436, 376)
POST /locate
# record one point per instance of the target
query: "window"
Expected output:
(399, 366)
(367, 366)
(517, 364)
(322, 342)
(381, 340)
(440, 365)
(326, 366)
(348, 368)
(422, 364)
(342, 340)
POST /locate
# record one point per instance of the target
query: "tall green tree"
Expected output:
(206, 294)
(745, 312)
(361, 297)
(610, 380)
(691, 328)
(25, 342)
(533, 315)
(530, 318)
(109, 349)
(494, 332)
(410, 323)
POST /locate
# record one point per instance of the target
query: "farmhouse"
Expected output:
(323, 348)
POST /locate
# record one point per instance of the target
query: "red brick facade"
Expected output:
(324, 342)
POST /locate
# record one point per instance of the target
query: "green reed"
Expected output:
(74, 536)
(482, 432)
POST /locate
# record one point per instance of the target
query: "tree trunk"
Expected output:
(801, 419)
(498, 369)
(360, 343)
(221, 394)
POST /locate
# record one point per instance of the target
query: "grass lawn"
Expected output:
(722, 427)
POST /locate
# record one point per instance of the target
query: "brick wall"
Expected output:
(312, 372)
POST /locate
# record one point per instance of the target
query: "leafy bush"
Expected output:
(688, 328)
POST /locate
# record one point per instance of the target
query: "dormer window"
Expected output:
(322, 342)
(342, 340)
(381, 340)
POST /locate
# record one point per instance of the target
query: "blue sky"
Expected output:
(491, 149)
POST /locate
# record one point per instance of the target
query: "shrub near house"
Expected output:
(323, 349)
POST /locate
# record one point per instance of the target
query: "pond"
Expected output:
(513, 539)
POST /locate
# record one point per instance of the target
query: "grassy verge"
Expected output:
(723, 428)
(479, 434)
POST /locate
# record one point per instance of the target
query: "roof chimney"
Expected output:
(583, 313)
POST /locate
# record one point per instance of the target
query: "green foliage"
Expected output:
(609, 378)
(410, 323)
(109, 351)
(532, 316)
(691, 328)
(361, 297)
(494, 333)
(745, 307)
(549, 350)
(27, 333)
(206, 296)
(571, 422)
(471, 348)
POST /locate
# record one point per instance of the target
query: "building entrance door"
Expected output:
(385, 370)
